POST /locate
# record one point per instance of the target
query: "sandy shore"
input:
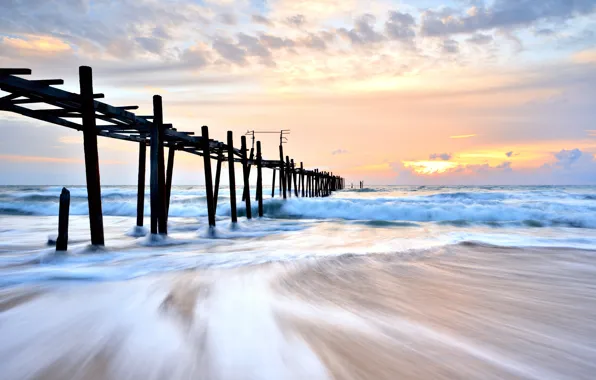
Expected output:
(463, 311)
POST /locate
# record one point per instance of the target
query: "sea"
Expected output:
(376, 219)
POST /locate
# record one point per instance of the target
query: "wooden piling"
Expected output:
(273, 185)
(302, 178)
(62, 240)
(169, 174)
(246, 179)
(259, 179)
(232, 177)
(141, 184)
(217, 177)
(245, 193)
(157, 178)
(162, 222)
(282, 179)
(208, 179)
(91, 156)
(294, 177)
(289, 176)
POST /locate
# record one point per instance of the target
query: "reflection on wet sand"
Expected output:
(463, 311)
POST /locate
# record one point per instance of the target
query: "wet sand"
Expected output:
(457, 312)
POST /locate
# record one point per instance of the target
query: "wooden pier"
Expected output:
(83, 112)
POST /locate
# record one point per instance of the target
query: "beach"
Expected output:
(384, 294)
(464, 311)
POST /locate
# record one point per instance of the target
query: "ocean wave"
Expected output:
(540, 207)
(454, 212)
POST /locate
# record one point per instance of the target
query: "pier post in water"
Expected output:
(158, 195)
(259, 179)
(141, 184)
(91, 156)
(169, 173)
(208, 180)
(282, 179)
(302, 178)
(245, 175)
(273, 185)
(217, 177)
(289, 176)
(294, 176)
(232, 177)
(62, 240)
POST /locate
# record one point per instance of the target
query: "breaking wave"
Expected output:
(539, 207)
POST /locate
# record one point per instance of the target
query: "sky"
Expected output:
(427, 92)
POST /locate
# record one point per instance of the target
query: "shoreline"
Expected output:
(466, 311)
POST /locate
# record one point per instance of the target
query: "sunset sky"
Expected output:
(389, 92)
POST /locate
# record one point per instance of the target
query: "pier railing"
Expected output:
(83, 112)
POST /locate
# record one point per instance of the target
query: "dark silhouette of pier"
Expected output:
(83, 112)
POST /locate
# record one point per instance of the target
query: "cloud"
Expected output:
(566, 158)
(275, 42)
(501, 14)
(462, 136)
(339, 151)
(259, 19)
(363, 32)
(400, 26)
(440, 156)
(228, 18)
(314, 41)
(480, 39)
(509, 154)
(570, 167)
(229, 50)
(296, 21)
(450, 46)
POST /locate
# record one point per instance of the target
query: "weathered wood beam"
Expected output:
(246, 174)
(217, 177)
(141, 184)
(259, 180)
(273, 185)
(64, 210)
(158, 222)
(282, 180)
(11, 71)
(49, 82)
(91, 156)
(208, 178)
(169, 174)
(232, 177)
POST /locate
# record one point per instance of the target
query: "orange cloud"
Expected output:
(585, 56)
(36, 44)
(430, 167)
(461, 136)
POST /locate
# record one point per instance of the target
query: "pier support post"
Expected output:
(217, 177)
(208, 179)
(294, 177)
(289, 176)
(141, 184)
(232, 177)
(259, 179)
(91, 156)
(302, 178)
(245, 173)
(158, 195)
(282, 178)
(169, 173)
(62, 240)
(273, 185)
